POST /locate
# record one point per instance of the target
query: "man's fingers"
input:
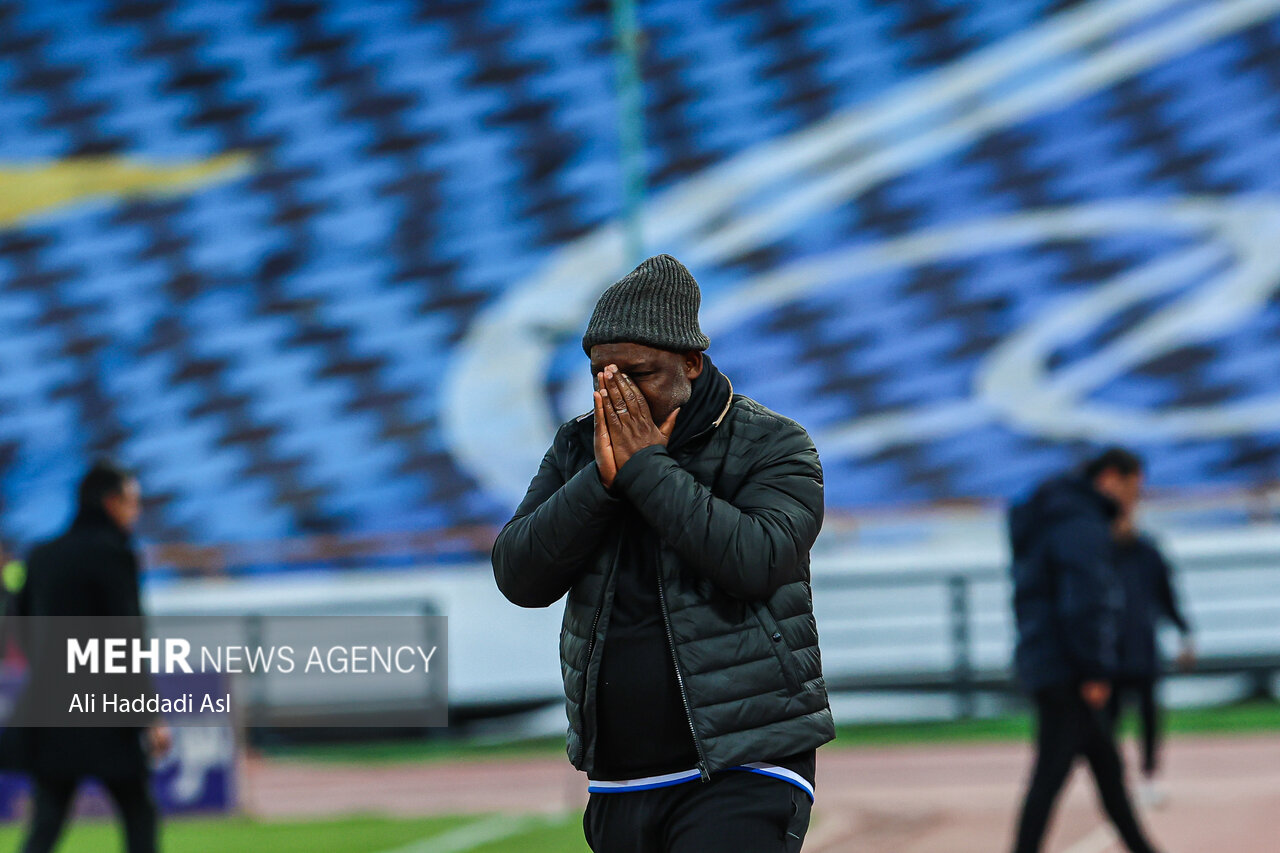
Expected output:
(613, 407)
(628, 389)
(635, 400)
(602, 429)
(604, 413)
(614, 389)
(669, 424)
(606, 464)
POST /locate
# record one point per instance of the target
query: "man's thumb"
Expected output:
(669, 424)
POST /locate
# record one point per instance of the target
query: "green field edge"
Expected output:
(1244, 718)
(355, 834)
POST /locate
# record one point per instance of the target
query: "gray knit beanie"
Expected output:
(656, 304)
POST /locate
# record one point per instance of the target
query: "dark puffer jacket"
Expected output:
(738, 508)
(1067, 595)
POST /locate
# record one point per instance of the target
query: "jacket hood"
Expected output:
(1062, 497)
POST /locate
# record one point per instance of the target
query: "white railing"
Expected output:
(932, 615)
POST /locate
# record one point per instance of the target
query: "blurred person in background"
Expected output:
(1149, 595)
(91, 570)
(1067, 608)
(13, 576)
(678, 518)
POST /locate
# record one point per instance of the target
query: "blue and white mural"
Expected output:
(323, 267)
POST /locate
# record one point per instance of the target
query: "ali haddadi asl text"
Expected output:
(148, 703)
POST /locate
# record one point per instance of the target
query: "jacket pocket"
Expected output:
(780, 648)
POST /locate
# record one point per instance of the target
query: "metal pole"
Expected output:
(256, 712)
(626, 36)
(961, 649)
(437, 705)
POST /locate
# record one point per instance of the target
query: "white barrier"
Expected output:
(880, 610)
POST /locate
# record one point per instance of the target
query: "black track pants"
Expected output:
(1142, 690)
(52, 802)
(1068, 728)
(736, 812)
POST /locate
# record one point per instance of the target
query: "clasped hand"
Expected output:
(624, 425)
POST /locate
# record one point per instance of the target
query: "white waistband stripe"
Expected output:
(648, 783)
(766, 769)
(643, 784)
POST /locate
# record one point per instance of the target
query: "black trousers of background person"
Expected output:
(1066, 729)
(1144, 691)
(52, 802)
(736, 812)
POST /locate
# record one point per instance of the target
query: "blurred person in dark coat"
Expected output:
(91, 570)
(1149, 596)
(1067, 602)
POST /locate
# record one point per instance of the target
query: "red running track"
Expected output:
(1224, 796)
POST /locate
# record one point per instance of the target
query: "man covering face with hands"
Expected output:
(677, 517)
(623, 410)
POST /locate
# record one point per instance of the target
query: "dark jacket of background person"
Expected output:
(738, 508)
(1148, 596)
(91, 570)
(1066, 595)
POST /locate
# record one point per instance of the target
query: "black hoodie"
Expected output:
(1067, 595)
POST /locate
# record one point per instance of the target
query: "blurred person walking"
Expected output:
(677, 517)
(1067, 603)
(1149, 596)
(91, 570)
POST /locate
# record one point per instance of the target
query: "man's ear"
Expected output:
(692, 364)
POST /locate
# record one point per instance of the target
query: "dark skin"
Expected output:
(639, 392)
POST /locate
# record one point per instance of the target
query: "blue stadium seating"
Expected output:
(270, 348)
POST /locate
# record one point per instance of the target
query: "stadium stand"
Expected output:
(267, 339)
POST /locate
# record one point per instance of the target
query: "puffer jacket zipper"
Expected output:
(703, 767)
